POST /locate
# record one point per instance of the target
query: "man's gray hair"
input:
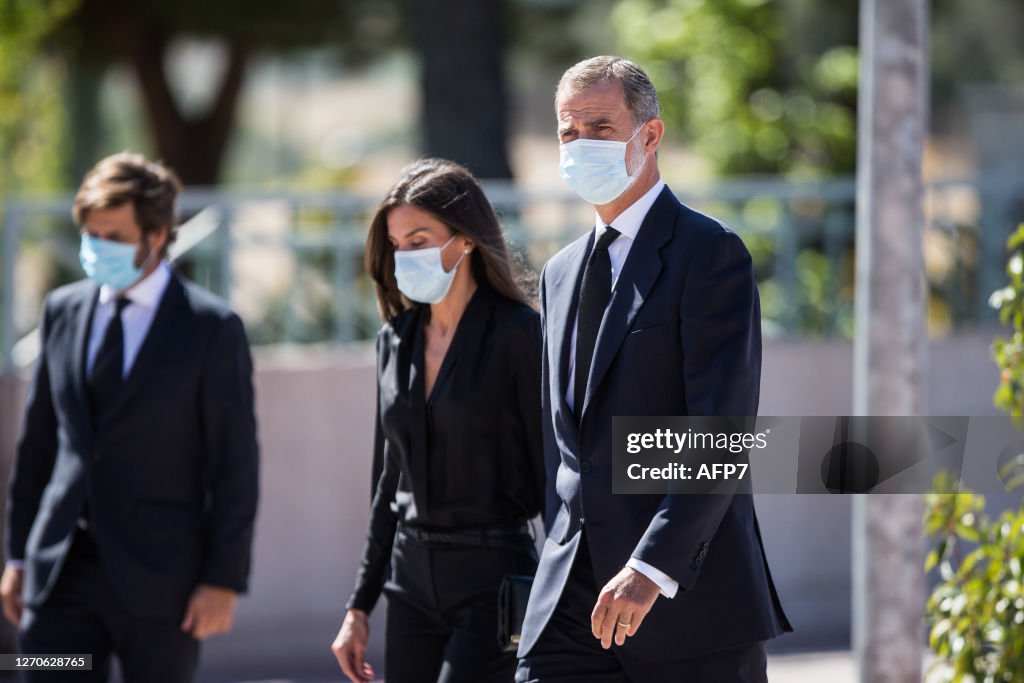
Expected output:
(641, 98)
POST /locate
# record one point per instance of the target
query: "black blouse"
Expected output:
(471, 455)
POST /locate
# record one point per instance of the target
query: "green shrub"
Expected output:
(1009, 353)
(976, 612)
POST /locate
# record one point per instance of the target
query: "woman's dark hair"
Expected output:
(451, 194)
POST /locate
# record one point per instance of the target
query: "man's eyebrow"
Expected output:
(589, 123)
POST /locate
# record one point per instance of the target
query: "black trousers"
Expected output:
(83, 616)
(442, 624)
(567, 651)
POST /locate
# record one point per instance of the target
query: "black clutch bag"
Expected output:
(513, 594)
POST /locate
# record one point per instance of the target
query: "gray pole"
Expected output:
(890, 341)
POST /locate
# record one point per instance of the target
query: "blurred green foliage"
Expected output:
(33, 120)
(817, 306)
(753, 89)
(1009, 352)
(972, 41)
(976, 612)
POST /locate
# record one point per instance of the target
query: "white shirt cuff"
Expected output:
(669, 586)
(16, 564)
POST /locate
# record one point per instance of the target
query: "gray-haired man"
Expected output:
(653, 312)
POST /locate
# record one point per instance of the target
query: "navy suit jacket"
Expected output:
(170, 470)
(681, 336)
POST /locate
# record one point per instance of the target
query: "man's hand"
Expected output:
(211, 611)
(349, 647)
(10, 593)
(622, 606)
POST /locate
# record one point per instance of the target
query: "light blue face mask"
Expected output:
(110, 263)
(421, 275)
(596, 169)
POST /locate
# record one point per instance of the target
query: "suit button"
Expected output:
(585, 466)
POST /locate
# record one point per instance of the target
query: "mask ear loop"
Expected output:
(640, 167)
(450, 239)
(459, 261)
(464, 252)
(146, 261)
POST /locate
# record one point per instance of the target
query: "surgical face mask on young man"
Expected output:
(421, 275)
(111, 263)
(596, 169)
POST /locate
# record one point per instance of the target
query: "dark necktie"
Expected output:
(108, 368)
(594, 293)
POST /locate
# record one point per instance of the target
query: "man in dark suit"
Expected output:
(133, 496)
(654, 312)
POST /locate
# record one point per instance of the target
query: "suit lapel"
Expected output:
(160, 337)
(563, 297)
(415, 343)
(78, 358)
(639, 272)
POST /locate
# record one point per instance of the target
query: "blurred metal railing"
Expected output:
(291, 262)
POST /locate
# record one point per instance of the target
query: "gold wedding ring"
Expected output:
(623, 625)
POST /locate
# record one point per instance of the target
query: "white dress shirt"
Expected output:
(628, 224)
(136, 318)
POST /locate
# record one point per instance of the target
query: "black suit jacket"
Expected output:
(169, 472)
(681, 336)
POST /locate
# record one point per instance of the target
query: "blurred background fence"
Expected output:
(292, 262)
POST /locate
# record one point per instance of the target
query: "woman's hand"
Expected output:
(349, 647)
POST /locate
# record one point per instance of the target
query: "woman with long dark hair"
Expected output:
(458, 464)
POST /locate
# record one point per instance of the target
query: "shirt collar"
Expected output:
(147, 292)
(628, 222)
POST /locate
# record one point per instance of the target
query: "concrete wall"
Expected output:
(315, 410)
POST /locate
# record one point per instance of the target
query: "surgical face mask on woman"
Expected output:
(596, 169)
(110, 263)
(421, 275)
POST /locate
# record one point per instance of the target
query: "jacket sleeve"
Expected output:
(232, 467)
(35, 453)
(383, 519)
(720, 318)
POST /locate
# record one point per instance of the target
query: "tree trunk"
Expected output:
(193, 146)
(463, 83)
(85, 76)
(890, 342)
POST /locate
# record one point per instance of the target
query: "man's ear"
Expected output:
(654, 131)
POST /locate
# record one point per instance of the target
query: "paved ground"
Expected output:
(817, 667)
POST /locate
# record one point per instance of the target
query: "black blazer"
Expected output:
(468, 456)
(681, 336)
(170, 473)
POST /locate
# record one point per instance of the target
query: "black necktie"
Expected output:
(594, 293)
(108, 368)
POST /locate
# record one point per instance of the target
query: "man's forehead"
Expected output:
(603, 99)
